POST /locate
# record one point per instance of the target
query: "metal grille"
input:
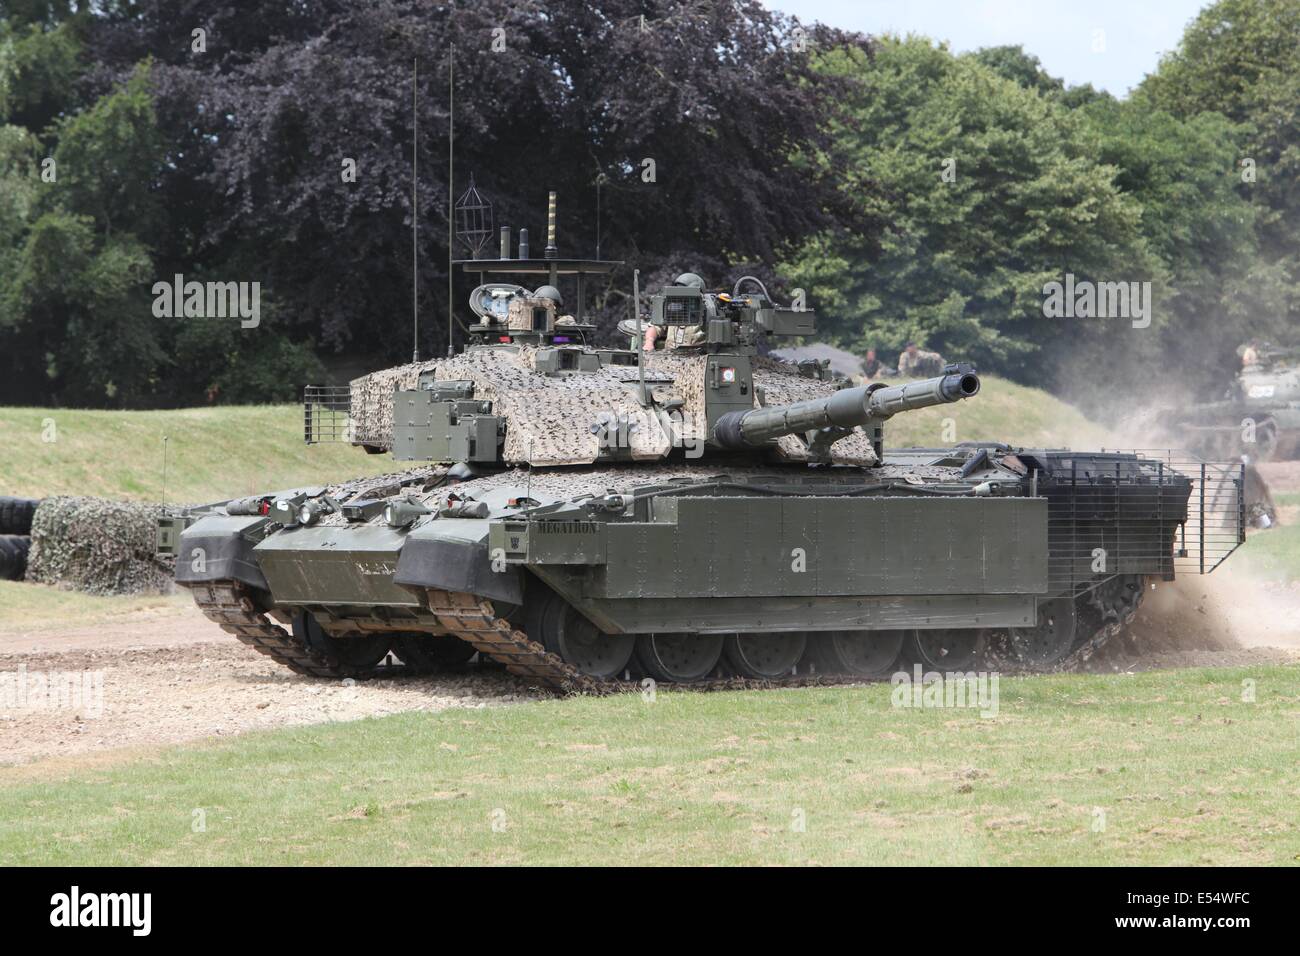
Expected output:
(1216, 509)
(683, 310)
(1172, 514)
(326, 413)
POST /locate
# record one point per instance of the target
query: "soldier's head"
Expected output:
(550, 292)
(912, 349)
(871, 355)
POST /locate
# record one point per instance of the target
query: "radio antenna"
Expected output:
(640, 335)
(415, 211)
(451, 207)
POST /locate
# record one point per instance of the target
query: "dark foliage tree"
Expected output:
(258, 113)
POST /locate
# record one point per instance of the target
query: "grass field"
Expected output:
(1154, 768)
(1274, 555)
(41, 607)
(1002, 411)
(223, 452)
(212, 453)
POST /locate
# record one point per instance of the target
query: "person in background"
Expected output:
(915, 362)
(872, 367)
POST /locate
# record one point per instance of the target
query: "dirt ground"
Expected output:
(168, 675)
(172, 676)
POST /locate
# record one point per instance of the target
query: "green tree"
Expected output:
(78, 260)
(993, 191)
(1241, 58)
(39, 68)
(1182, 174)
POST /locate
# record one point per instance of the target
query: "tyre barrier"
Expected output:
(16, 514)
(13, 556)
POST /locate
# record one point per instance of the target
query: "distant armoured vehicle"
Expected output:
(587, 515)
(1258, 416)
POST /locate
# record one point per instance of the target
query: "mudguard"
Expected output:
(219, 548)
(434, 558)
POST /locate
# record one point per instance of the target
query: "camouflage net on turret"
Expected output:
(97, 546)
(549, 420)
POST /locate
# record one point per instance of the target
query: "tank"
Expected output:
(680, 508)
(1258, 415)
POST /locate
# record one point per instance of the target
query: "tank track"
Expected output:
(230, 604)
(474, 621)
(1114, 618)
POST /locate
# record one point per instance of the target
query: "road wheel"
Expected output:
(947, 649)
(1051, 640)
(856, 653)
(764, 656)
(346, 656)
(678, 658)
(432, 652)
(1265, 440)
(566, 632)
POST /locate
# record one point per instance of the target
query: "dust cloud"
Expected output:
(1228, 617)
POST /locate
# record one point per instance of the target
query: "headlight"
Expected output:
(399, 514)
(307, 515)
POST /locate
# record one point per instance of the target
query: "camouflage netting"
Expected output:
(549, 420)
(97, 546)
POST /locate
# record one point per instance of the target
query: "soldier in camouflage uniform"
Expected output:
(918, 363)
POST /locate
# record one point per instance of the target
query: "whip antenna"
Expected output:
(164, 481)
(415, 212)
(451, 215)
(640, 335)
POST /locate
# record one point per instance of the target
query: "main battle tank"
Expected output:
(589, 515)
(1258, 416)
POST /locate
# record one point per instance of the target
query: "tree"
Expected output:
(237, 174)
(698, 121)
(992, 190)
(1241, 59)
(1202, 229)
(78, 268)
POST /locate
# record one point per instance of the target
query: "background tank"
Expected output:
(1259, 416)
(585, 515)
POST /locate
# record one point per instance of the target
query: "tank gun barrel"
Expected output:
(846, 409)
